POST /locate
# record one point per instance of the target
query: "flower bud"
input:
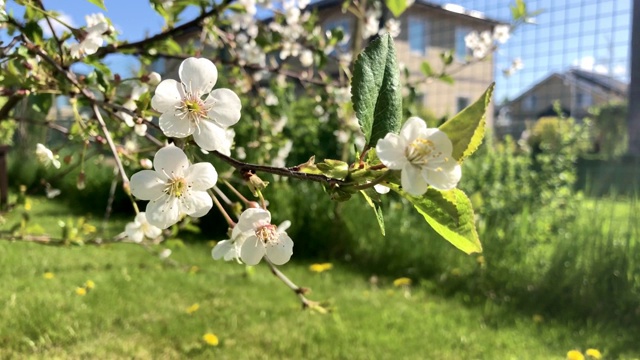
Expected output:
(154, 78)
(80, 184)
(146, 164)
(256, 184)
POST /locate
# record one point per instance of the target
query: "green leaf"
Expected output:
(426, 68)
(98, 3)
(397, 7)
(335, 169)
(466, 129)
(375, 88)
(446, 78)
(450, 214)
(377, 209)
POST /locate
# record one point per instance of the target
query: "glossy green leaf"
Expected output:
(466, 129)
(375, 89)
(397, 7)
(377, 209)
(425, 67)
(450, 214)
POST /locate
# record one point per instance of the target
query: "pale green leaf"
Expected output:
(397, 7)
(377, 209)
(98, 3)
(466, 129)
(375, 89)
(450, 214)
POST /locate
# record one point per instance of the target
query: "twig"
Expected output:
(221, 208)
(107, 135)
(246, 168)
(299, 291)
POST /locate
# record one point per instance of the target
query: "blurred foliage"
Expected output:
(610, 134)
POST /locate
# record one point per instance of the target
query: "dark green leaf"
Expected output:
(450, 214)
(98, 3)
(375, 88)
(466, 129)
(377, 209)
(397, 7)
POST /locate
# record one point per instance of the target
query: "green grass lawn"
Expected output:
(138, 309)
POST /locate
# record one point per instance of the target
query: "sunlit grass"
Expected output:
(119, 301)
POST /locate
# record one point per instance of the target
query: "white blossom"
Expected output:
(146, 164)
(52, 192)
(46, 157)
(306, 58)
(175, 188)
(140, 228)
(262, 238)
(185, 112)
(130, 104)
(91, 39)
(423, 155)
(501, 33)
(229, 249)
(392, 26)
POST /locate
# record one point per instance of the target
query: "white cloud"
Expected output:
(57, 27)
(589, 63)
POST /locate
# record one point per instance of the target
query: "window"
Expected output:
(461, 103)
(583, 99)
(343, 24)
(417, 35)
(530, 102)
(462, 51)
(159, 66)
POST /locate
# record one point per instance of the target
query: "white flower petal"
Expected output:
(163, 212)
(222, 248)
(168, 96)
(284, 226)
(151, 231)
(141, 218)
(391, 151)
(210, 136)
(196, 204)
(133, 232)
(171, 160)
(252, 250)
(225, 107)
(412, 180)
(198, 75)
(252, 218)
(445, 177)
(440, 141)
(412, 129)
(381, 189)
(174, 126)
(201, 176)
(147, 185)
(280, 252)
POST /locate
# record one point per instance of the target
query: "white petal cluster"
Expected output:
(175, 188)
(392, 27)
(46, 157)
(422, 155)
(190, 107)
(254, 237)
(130, 104)
(91, 38)
(140, 228)
(481, 44)
(516, 65)
(372, 20)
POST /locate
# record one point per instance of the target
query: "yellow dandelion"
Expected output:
(318, 268)
(89, 284)
(211, 339)
(88, 229)
(537, 318)
(480, 260)
(212, 243)
(193, 308)
(403, 281)
(27, 205)
(574, 355)
(81, 291)
(194, 269)
(594, 353)
(48, 275)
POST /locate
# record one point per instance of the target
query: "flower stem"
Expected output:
(299, 291)
(221, 208)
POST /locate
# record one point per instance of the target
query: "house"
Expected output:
(576, 90)
(428, 30)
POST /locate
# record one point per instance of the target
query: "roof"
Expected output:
(446, 8)
(584, 79)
